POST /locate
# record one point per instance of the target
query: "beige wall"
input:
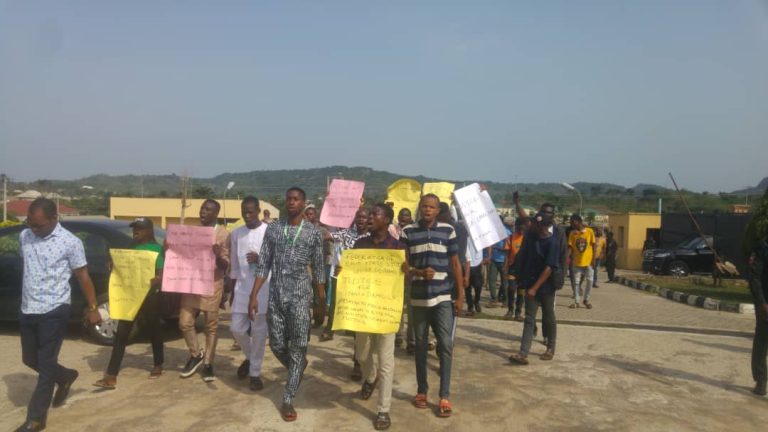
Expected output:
(164, 211)
(629, 230)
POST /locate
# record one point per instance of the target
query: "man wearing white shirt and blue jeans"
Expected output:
(51, 255)
(245, 245)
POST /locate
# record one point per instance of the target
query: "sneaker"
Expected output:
(244, 368)
(574, 305)
(193, 363)
(256, 384)
(208, 375)
(477, 307)
(357, 372)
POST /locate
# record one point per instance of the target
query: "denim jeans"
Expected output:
(442, 321)
(475, 285)
(580, 273)
(548, 320)
(41, 339)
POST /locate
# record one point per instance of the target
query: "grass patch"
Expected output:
(732, 290)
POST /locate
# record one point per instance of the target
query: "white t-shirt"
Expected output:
(244, 240)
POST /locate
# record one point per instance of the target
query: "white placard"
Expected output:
(480, 215)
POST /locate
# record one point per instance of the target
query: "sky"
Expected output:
(611, 91)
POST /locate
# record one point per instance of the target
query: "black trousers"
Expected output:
(760, 349)
(41, 339)
(149, 319)
(610, 267)
(476, 283)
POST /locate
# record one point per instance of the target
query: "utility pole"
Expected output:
(142, 185)
(184, 190)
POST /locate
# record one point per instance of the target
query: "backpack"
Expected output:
(558, 276)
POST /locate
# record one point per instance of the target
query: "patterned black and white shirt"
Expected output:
(287, 252)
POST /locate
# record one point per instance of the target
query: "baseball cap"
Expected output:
(142, 222)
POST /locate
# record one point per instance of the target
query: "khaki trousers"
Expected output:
(376, 354)
(187, 316)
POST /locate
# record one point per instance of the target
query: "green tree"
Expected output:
(202, 191)
(758, 227)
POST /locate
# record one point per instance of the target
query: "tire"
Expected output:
(679, 269)
(104, 332)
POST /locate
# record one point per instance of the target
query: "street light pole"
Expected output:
(230, 185)
(571, 188)
(5, 197)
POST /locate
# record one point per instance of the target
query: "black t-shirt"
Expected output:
(535, 255)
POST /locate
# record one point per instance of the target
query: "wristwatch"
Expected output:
(92, 308)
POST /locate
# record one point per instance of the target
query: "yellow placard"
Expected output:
(369, 291)
(404, 193)
(443, 190)
(132, 271)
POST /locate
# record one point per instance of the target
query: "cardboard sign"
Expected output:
(129, 282)
(342, 203)
(483, 223)
(189, 260)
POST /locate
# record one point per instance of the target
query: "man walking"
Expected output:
(538, 259)
(51, 255)
(192, 304)
(251, 335)
(758, 284)
(611, 249)
(376, 352)
(291, 246)
(432, 248)
(581, 244)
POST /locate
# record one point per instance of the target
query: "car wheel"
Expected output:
(679, 269)
(104, 332)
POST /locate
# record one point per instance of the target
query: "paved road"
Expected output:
(621, 305)
(601, 379)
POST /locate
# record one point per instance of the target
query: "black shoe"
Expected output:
(63, 391)
(357, 373)
(478, 309)
(759, 389)
(193, 363)
(410, 348)
(31, 426)
(244, 368)
(208, 375)
(256, 384)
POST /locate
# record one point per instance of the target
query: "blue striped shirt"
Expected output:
(430, 247)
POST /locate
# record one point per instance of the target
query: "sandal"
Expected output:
(382, 421)
(367, 389)
(420, 401)
(548, 355)
(108, 383)
(156, 372)
(518, 358)
(288, 413)
(444, 409)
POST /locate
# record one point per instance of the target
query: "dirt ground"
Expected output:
(601, 379)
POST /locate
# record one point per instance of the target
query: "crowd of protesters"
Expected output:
(279, 276)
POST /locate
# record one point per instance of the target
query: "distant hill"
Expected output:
(757, 190)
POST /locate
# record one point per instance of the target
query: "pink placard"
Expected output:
(189, 260)
(342, 203)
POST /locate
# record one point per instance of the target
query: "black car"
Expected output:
(98, 236)
(691, 256)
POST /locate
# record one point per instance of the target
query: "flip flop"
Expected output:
(288, 413)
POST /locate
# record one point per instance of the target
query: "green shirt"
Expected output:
(154, 247)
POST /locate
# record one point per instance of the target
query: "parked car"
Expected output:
(693, 255)
(98, 236)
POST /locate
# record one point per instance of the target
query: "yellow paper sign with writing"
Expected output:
(404, 193)
(443, 190)
(369, 291)
(132, 271)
